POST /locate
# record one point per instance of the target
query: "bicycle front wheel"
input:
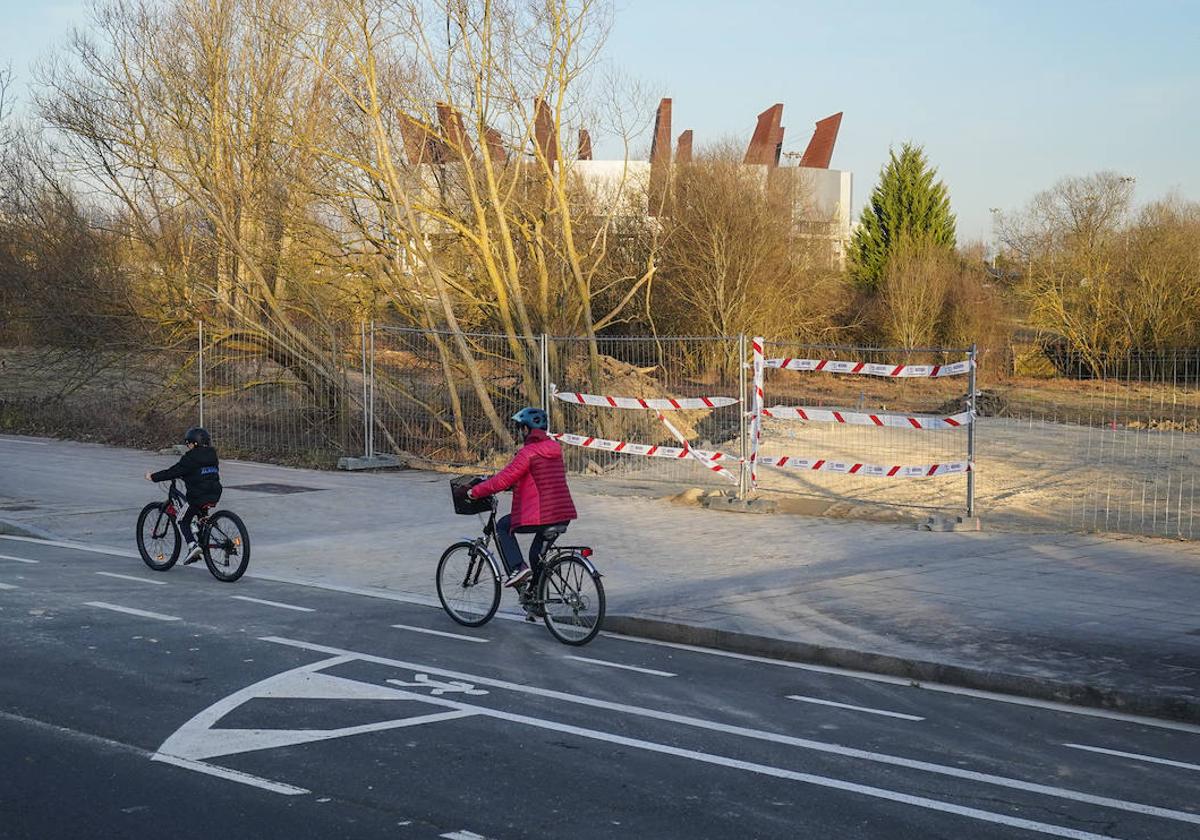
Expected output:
(226, 546)
(158, 539)
(573, 598)
(467, 585)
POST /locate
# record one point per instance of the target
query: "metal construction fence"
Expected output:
(1094, 444)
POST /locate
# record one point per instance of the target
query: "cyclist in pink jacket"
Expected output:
(541, 497)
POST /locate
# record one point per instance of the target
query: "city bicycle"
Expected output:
(565, 589)
(224, 541)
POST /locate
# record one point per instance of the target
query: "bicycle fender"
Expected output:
(486, 553)
(586, 561)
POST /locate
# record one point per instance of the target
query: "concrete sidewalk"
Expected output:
(1097, 620)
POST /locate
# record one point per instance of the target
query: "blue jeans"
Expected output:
(510, 549)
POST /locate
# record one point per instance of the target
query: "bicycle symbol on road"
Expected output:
(439, 687)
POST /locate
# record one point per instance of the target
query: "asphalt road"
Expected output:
(134, 703)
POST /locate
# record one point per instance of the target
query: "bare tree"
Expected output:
(736, 255)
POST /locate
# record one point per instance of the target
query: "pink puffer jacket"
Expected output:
(539, 481)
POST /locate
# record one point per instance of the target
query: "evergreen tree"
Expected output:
(908, 208)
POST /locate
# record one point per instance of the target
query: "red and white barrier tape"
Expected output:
(780, 461)
(654, 403)
(874, 470)
(706, 462)
(871, 369)
(894, 421)
(646, 449)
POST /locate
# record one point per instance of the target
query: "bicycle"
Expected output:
(224, 542)
(565, 589)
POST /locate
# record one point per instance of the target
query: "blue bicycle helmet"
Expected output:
(534, 418)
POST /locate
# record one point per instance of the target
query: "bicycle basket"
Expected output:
(462, 504)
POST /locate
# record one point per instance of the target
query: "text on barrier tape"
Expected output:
(869, 368)
(872, 470)
(645, 449)
(925, 422)
(652, 403)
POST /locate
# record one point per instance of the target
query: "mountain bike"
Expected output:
(224, 541)
(564, 590)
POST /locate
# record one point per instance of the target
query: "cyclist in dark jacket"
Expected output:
(200, 470)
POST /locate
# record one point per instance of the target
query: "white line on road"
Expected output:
(18, 559)
(74, 546)
(231, 775)
(440, 633)
(819, 702)
(942, 688)
(650, 671)
(133, 577)
(768, 770)
(1135, 756)
(462, 835)
(762, 735)
(272, 603)
(131, 611)
(7, 586)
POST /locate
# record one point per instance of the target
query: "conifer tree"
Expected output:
(909, 207)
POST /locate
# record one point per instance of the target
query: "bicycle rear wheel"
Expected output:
(158, 539)
(467, 584)
(573, 598)
(226, 546)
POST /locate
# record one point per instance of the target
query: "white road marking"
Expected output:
(7, 586)
(74, 546)
(19, 559)
(131, 611)
(272, 603)
(462, 835)
(442, 633)
(1136, 757)
(978, 694)
(132, 577)
(776, 772)
(762, 735)
(819, 702)
(650, 671)
(975, 693)
(231, 775)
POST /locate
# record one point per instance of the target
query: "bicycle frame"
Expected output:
(550, 551)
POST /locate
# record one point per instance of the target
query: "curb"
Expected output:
(1167, 706)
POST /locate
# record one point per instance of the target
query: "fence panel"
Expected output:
(129, 386)
(1103, 444)
(858, 397)
(446, 399)
(684, 367)
(282, 394)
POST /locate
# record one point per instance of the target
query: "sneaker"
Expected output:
(521, 573)
(193, 553)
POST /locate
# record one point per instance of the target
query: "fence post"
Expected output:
(971, 405)
(200, 357)
(362, 328)
(544, 365)
(371, 427)
(743, 392)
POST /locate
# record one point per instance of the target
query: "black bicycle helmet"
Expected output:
(197, 435)
(532, 417)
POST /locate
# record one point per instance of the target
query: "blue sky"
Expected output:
(1006, 97)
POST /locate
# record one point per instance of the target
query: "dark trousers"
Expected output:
(194, 509)
(185, 524)
(510, 549)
